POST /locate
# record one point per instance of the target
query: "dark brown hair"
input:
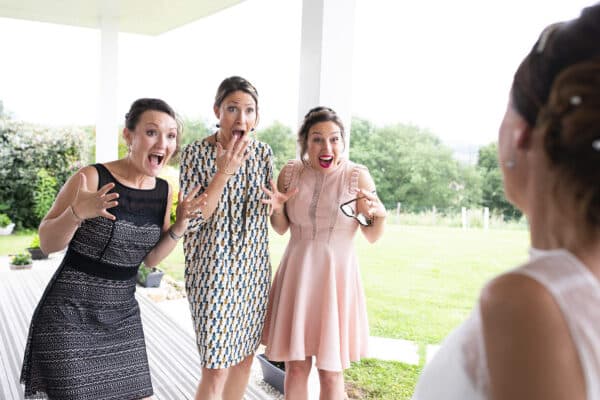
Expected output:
(556, 89)
(312, 117)
(140, 106)
(233, 84)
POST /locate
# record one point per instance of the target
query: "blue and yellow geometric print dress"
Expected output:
(228, 269)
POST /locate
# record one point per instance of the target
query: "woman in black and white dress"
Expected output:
(86, 339)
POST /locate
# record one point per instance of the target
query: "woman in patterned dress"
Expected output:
(86, 339)
(226, 247)
(317, 306)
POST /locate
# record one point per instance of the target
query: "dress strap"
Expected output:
(291, 172)
(104, 175)
(355, 170)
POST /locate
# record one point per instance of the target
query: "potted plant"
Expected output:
(20, 261)
(35, 250)
(273, 372)
(6, 225)
(149, 276)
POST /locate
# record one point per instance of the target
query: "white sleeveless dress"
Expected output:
(459, 369)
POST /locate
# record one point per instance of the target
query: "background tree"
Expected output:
(282, 142)
(411, 166)
(492, 188)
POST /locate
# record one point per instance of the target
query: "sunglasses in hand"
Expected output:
(349, 211)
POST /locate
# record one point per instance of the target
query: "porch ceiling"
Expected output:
(148, 17)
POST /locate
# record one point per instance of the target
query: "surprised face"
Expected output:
(152, 142)
(325, 146)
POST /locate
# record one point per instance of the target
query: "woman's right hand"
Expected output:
(230, 159)
(91, 204)
(276, 198)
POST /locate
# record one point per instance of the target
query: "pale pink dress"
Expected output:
(317, 303)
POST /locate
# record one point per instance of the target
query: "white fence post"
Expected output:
(486, 218)
(398, 212)
(464, 217)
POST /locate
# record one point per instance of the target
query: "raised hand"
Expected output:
(91, 204)
(189, 207)
(276, 198)
(230, 158)
(375, 208)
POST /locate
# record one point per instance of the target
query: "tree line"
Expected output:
(410, 165)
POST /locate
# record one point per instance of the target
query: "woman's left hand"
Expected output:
(190, 206)
(375, 208)
(276, 198)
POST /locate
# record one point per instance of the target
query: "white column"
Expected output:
(107, 134)
(326, 58)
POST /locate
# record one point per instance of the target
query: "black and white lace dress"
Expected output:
(86, 339)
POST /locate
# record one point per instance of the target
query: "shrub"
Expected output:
(4, 220)
(24, 150)
(45, 193)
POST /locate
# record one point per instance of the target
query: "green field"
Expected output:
(420, 282)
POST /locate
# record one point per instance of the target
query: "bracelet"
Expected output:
(77, 217)
(225, 172)
(173, 235)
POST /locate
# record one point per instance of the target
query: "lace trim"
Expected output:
(290, 173)
(354, 175)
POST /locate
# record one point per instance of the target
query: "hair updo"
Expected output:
(556, 89)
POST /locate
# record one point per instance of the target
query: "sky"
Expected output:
(443, 66)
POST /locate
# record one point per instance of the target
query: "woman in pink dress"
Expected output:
(317, 304)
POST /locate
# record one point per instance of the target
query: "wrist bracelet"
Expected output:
(173, 235)
(225, 172)
(77, 217)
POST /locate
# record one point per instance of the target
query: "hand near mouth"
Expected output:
(230, 159)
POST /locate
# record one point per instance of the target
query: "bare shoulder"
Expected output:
(530, 351)
(515, 292)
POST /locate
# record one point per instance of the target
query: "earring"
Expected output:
(510, 164)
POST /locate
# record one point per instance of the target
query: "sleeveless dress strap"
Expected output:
(355, 171)
(104, 176)
(291, 172)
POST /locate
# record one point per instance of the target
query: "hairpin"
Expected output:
(575, 100)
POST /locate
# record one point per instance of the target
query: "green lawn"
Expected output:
(420, 282)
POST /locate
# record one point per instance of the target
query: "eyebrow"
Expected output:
(321, 133)
(237, 102)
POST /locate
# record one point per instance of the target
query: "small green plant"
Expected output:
(35, 242)
(4, 220)
(21, 259)
(143, 272)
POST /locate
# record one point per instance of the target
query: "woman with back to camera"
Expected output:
(86, 339)
(317, 305)
(228, 270)
(535, 333)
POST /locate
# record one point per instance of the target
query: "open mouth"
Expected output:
(325, 161)
(156, 159)
(238, 133)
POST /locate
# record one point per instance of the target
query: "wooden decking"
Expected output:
(172, 352)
